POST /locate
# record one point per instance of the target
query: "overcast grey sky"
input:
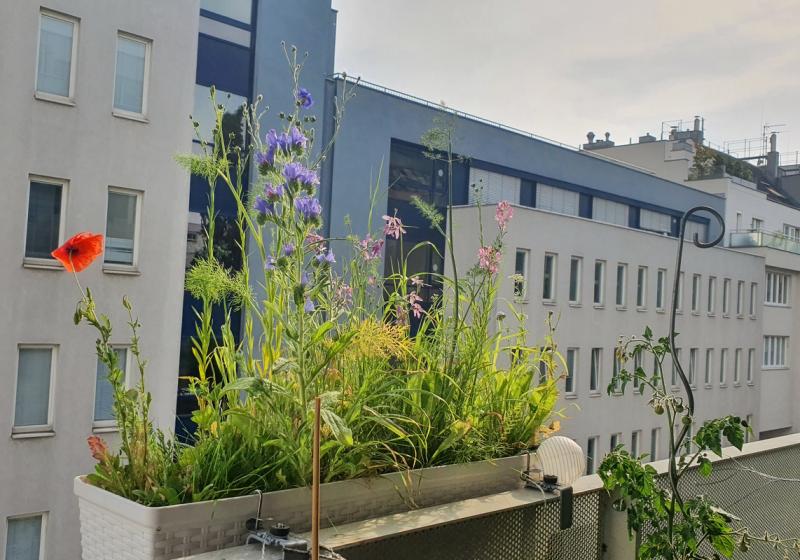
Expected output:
(560, 69)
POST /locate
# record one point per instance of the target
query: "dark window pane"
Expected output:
(44, 218)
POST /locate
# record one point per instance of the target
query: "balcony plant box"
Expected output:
(114, 528)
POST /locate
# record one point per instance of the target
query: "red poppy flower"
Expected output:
(78, 252)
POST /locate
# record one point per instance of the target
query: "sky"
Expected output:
(562, 68)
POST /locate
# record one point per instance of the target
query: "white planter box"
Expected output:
(113, 528)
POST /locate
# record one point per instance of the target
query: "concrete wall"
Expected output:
(92, 149)
(587, 326)
(658, 157)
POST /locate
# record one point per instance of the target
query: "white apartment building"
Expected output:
(96, 97)
(602, 281)
(763, 220)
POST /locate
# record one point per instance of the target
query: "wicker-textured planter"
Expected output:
(113, 528)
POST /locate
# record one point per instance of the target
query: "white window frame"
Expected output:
(723, 367)
(679, 306)
(693, 353)
(39, 429)
(751, 365)
(777, 289)
(100, 426)
(591, 458)
(655, 440)
(641, 288)
(601, 289)
(708, 374)
(137, 231)
(73, 63)
(623, 291)
(571, 374)
(661, 286)
(614, 440)
(726, 297)
(578, 280)
(148, 44)
(551, 297)
(696, 293)
(42, 531)
(753, 300)
(748, 437)
(636, 442)
(523, 296)
(38, 262)
(740, 299)
(775, 350)
(737, 367)
(711, 296)
(675, 380)
(595, 370)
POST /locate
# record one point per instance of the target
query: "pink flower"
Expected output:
(371, 281)
(503, 215)
(417, 282)
(98, 448)
(344, 294)
(316, 242)
(370, 248)
(416, 308)
(394, 227)
(489, 259)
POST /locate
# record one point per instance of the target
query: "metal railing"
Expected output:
(758, 238)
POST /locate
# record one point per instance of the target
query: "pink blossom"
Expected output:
(503, 215)
(316, 242)
(371, 281)
(417, 282)
(344, 294)
(371, 248)
(394, 227)
(489, 259)
(416, 308)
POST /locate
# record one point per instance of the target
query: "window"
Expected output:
(617, 369)
(239, 10)
(753, 296)
(591, 454)
(641, 287)
(636, 437)
(792, 232)
(709, 366)
(712, 295)
(723, 365)
(775, 351)
(655, 221)
(737, 366)
(24, 537)
(55, 72)
(131, 75)
(595, 370)
(698, 228)
(615, 441)
(572, 367)
(748, 432)
(679, 306)
(739, 298)
(103, 394)
(661, 289)
(121, 227)
(549, 281)
(675, 376)
(726, 297)
(756, 224)
(232, 118)
(655, 436)
(695, 293)
(492, 187)
(33, 408)
(599, 283)
(610, 212)
(751, 364)
(521, 273)
(44, 226)
(557, 200)
(777, 288)
(693, 366)
(575, 266)
(622, 276)
(687, 446)
(637, 365)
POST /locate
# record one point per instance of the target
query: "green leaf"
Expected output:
(724, 544)
(341, 432)
(705, 467)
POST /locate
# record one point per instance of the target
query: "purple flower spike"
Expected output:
(304, 279)
(326, 258)
(309, 306)
(263, 206)
(273, 192)
(304, 98)
(308, 207)
(270, 264)
(288, 249)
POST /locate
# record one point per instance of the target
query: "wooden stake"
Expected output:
(315, 484)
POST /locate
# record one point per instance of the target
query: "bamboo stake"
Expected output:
(315, 484)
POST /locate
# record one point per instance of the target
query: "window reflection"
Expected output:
(232, 119)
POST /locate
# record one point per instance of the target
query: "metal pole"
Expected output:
(315, 484)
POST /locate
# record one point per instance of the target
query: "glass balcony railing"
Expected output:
(757, 238)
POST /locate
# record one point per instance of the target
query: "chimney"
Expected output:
(773, 157)
(593, 144)
(696, 123)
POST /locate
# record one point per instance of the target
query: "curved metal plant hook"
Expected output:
(679, 368)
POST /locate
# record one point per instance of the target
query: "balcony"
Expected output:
(757, 238)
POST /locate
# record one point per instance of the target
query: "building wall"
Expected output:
(92, 149)
(658, 157)
(586, 326)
